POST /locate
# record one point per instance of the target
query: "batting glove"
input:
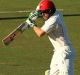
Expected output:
(34, 15)
(30, 22)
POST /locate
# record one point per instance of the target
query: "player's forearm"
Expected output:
(38, 31)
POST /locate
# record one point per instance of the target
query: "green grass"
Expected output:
(28, 54)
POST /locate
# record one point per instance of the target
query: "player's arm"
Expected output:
(31, 21)
(38, 31)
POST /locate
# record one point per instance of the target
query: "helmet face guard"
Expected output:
(49, 11)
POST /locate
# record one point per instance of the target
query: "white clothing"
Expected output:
(56, 30)
(61, 62)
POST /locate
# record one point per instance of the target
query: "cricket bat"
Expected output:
(15, 33)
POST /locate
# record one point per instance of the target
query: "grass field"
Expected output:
(28, 54)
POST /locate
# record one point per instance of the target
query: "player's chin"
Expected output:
(45, 18)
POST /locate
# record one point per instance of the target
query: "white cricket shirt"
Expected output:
(56, 30)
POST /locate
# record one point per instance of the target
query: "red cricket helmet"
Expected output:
(45, 5)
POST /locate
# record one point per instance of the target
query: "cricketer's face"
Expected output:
(45, 16)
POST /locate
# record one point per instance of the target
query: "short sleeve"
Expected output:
(49, 24)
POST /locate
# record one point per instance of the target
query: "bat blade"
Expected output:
(14, 34)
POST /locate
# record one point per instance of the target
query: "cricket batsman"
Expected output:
(54, 27)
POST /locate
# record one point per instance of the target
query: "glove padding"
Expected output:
(34, 15)
(30, 22)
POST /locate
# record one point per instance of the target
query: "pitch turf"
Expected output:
(28, 54)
